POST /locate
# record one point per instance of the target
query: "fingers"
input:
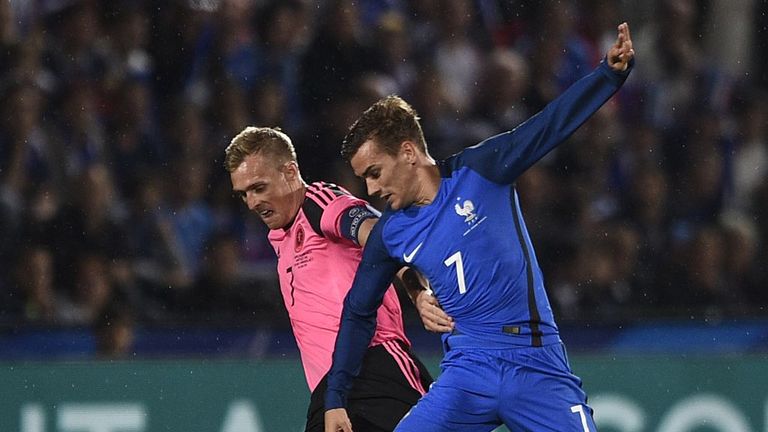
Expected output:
(626, 41)
(440, 317)
(626, 30)
(429, 299)
(436, 320)
(620, 54)
(435, 328)
(432, 315)
(435, 323)
(627, 52)
(336, 420)
(620, 37)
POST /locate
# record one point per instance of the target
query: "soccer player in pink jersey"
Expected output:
(318, 231)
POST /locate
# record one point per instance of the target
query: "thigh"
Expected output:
(390, 382)
(543, 394)
(363, 425)
(359, 424)
(463, 398)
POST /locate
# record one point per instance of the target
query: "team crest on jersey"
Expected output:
(299, 239)
(466, 210)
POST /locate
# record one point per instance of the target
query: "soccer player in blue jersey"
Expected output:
(458, 221)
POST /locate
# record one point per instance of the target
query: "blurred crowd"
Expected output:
(114, 202)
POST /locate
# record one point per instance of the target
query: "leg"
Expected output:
(316, 423)
(363, 425)
(391, 380)
(462, 399)
(543, 394)
(389, 384)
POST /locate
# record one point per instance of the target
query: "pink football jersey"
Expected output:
(316, 266)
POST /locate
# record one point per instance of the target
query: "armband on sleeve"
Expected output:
(352, 218)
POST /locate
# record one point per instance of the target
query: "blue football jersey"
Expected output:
(471, 241)
(472, 245)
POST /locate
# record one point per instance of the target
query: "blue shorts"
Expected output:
(525, 388)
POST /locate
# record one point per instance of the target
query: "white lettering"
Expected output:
(91, 417)
(618, 412)
(242, 416)
(612, 411)
(32, 418)
(708, 410)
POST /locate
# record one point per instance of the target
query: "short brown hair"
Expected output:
(389, 122)
(270, 141)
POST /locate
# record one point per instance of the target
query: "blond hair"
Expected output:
(269, 141)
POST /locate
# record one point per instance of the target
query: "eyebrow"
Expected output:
(367, 171)
(250, 186)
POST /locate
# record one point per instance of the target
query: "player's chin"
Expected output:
(395, 204)
(272, 221)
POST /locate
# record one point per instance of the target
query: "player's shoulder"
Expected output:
(457, 163)
(324, 197)
(393, 223)
(324, 193)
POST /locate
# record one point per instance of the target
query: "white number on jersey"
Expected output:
(456, 258)
(580, 409)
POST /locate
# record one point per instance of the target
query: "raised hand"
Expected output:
(621, 52)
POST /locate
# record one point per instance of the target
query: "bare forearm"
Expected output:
(412, 282)
(432, 315)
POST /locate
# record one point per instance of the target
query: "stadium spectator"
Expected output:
(91, 218)
(114, 331)
(504, 84)
(698, 283)
(134, 145)
(92, 290)
(741, 272)
(750, 161)
(34, 298)
(222, 297)
(459, 54)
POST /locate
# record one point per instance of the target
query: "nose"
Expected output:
(251, 200)
(373, 187)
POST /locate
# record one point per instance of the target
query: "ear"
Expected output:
(290, 169)
(409, 152)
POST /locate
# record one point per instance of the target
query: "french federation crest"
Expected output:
(467, 210)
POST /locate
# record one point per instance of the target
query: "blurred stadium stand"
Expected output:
(641, 338)
(650, 224)
(137, 293)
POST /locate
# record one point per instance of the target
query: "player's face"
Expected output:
(267, 187)
(385, 175)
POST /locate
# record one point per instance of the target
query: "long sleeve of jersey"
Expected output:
(504, 157)
(358, 320)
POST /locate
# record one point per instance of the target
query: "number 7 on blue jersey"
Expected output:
(456, 258)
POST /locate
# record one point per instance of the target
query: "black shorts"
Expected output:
(381, 395)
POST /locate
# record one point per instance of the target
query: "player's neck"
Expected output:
(298, 196)
(428, 183)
